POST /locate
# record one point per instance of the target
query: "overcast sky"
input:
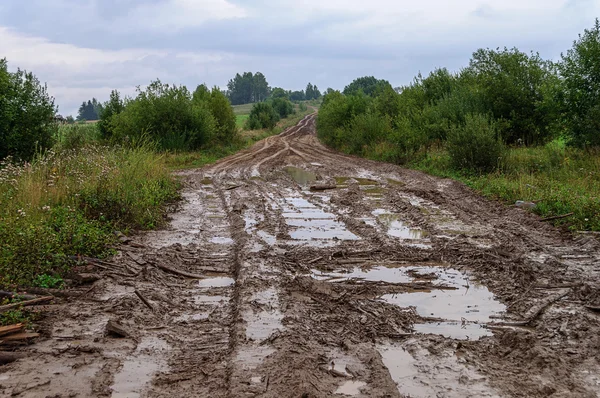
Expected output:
(85, 48)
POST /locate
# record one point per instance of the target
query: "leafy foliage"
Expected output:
(26, 114)
(580, 70)
(368, 85)
(262, 116)
(283, 107)
(248, 88)
(90, 110)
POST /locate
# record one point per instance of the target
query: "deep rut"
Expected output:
(393, 284)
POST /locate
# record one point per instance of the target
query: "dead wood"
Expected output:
(41, 300)
(116, 329)
(8, 357)
(593, 308)
(9, 295)
(144, 300)
(557, 217)
(178, 272)
(322, 187)
(4, 330)
(534, 312)
(20, 336)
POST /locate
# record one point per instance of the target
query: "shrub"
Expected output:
(580, 70)
(262, 116)
(475, 145)
(166, 115)
(283, 107)
(112, 107)
(26, 115)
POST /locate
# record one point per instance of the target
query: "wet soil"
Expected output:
(393, 284)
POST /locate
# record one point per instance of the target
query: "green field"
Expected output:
(242, 109)
(240, 120)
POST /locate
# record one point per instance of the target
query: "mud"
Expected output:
(394, 284)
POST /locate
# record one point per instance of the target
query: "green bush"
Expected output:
(580, 93)
(262, 116)
(475, 145)
(283, 107)
(26, 115)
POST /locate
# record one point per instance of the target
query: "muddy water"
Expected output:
(301, 176)
(464, 306)
(423, 375)
(137, 371)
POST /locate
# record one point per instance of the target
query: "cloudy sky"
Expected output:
(85, 48)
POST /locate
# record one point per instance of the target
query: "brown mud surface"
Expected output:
(391, 284)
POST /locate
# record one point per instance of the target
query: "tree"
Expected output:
(283, 107)
(90, 110)
(512, 86)
(262, 116)
(278, 92)
(297, 96)
(580, 71)
(248, 88)
(114, 106)
(368, 85)
(312, 92)
(26, 114)
(222, 112)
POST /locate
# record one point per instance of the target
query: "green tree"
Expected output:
(222, 112)
(283, 107)
(26, 114)
(297, 96)
(278, 92)
(368, 85)
(262, 116)
(112, 107)
(580, 70)
(90, 110)
(248, 88)
(512, 86)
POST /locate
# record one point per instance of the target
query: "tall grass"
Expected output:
(70, 202)
(559, 179)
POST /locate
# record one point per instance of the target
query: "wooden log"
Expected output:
(322, 187)
(9, 295)
(4, 330)
(41, 300)
(557, 217)
(20, 336)
(8, 357)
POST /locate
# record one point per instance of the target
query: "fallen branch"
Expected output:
(593, 308)
(322, 187)
(8, 357)
(144, 300)
(7, 307)
(557, 217)
(4, 330)
(20, 336)
(114, 328)
(178, 272)
(535, 312)
(10, 295)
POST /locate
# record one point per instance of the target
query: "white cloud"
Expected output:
(180, 14)
(74, 74)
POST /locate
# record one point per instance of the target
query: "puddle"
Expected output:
(138, 370)
(396, 228)
(464, 310)
(391, 181)
(202, 299)
(301, 176)
(432, 376)
(249, 358)
(454, 330)
(261, 325)
(216, 282)
(191, 318)
(206, 181)
(222, 241)
(269, 239)
(256, 380)
(350, 388)
(312, 225)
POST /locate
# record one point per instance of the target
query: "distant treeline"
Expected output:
(503, 97)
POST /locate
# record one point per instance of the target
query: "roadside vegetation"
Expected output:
(511, 125)
(69, 189)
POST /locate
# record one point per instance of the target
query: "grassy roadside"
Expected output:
(558, 179)
(70, 202)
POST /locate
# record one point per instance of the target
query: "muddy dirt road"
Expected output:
(390, 284)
